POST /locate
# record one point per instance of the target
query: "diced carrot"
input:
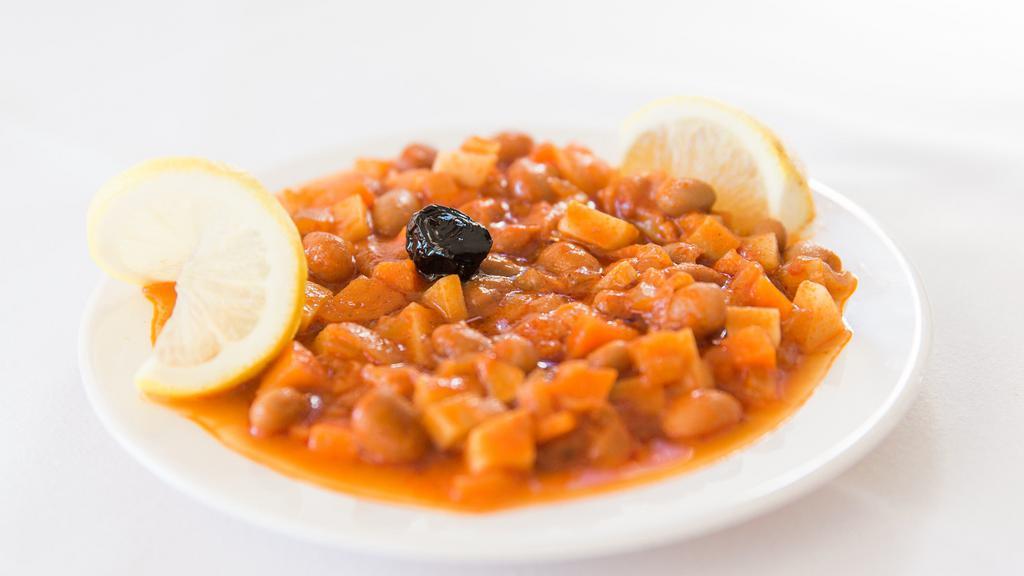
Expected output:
(503, 442)
(163, 296)
(751, 347)
(554, 425)
(534, 394)
(363, 299)
(501, 378)
(334, 440)
(588, 333)
(351, 218)
(594, 227)
(448, 421)
(713, 238)
(665, 357)
(446, 297)
(295, 367)
(316, 295)
(400, 275)
(752, 288)
(579, 386)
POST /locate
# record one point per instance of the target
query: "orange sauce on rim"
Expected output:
(226, 417)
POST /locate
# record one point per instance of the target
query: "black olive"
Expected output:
(443, 241)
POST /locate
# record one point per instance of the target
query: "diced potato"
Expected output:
(363, 299)
(448, 421)
(534, 394)
(373, 167)
(640, 404)
(469, 169)
(665, 357)
(314, 220)
(326, 191)
(579, 386)
(501, 379)
(400, 275)
(619, 276)
(554, 425)
(594, 227)
(763, 249)
(351, 219)
(297, 368)
(818, 319)
(588, 333)
(412, 328)
(751, 347)
(840, 284)
(334, 440)
(503, 442)
(739, 317)
(713, 238)
(163, 296)
(446, 297)
(316, 295)
(351, 341)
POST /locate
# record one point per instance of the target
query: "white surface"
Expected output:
(867, 391)
(914, 110)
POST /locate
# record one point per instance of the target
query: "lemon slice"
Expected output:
(233, 252)
(750, 170)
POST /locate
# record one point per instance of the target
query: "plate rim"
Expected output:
(800, 480)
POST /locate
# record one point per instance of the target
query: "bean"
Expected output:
(700, 413)
(392, 211)
(276, 409)
(514, 145)
(387, 428)
(416, 156)
(809, 249)
(699, 306)
(614, 354)
(451, 340)
(677, 196)
(329, 257)
(516, 350)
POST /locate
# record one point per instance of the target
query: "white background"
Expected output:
(912, 109)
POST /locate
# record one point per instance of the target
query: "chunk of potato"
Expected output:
(362, 300)
(579, 386)
(588, 333)
(503, 442)
(469, 169)
(818, 319)
(448, 421)
(713, 238)
(665, 357)
(596, 228)
(316, 295)
(446, 297)
(400, 275)
(501, 379)
(751, 347)
(412, 328)
(739, 317)
(351, 218)
(763, 249)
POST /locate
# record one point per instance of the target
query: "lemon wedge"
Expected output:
(753, 175)
(231, 249)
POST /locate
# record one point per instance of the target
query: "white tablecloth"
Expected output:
(912, 109)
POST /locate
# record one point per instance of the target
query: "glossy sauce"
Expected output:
(430, 483)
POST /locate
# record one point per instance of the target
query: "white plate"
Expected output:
(866, 392)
